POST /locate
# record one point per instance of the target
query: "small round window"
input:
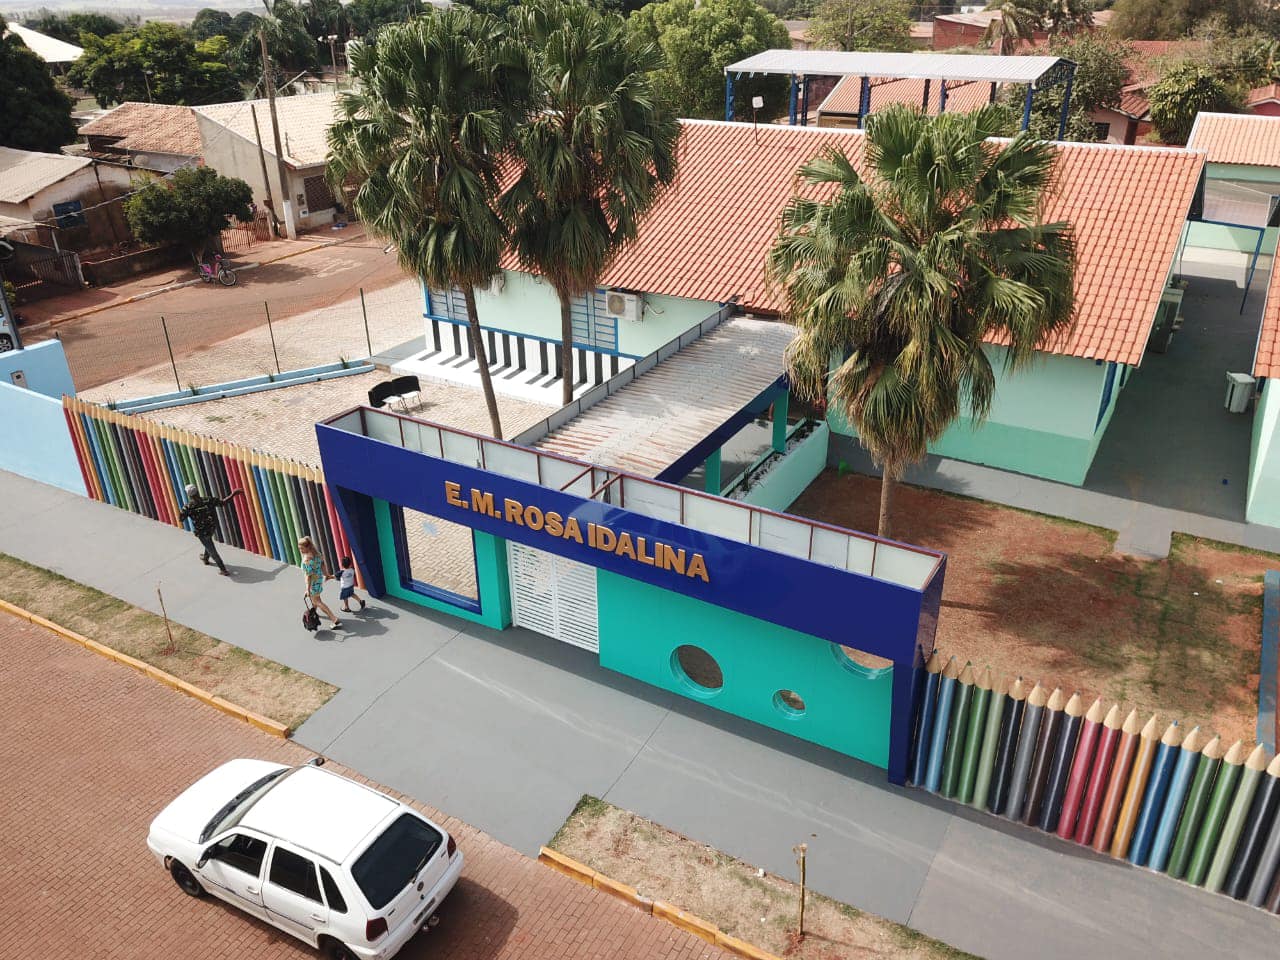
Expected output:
(789, 703)
(864, 664)
(698, 669)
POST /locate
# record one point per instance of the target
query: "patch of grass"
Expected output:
(743, 902)
(1182, 542)
(235, 674)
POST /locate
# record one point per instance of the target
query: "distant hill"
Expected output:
(157, 10)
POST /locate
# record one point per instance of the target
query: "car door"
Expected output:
(291, 894)
(232, 870)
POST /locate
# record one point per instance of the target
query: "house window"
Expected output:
(318, 194)
(69, 214)
(448, 305)
(593, 327)
(1101, 131)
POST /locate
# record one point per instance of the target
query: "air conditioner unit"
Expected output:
(624, 306)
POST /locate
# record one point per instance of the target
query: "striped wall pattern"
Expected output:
(144, 467)
(1134, 788)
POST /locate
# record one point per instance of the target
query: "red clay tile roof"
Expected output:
(1237, 138)
(961, 97)
(149, 128)
(707, 237)
(1264, 94)
(1266, 362)
(1134, 101)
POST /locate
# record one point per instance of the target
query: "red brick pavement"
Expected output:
(92, 750)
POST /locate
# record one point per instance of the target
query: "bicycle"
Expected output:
(217, 270)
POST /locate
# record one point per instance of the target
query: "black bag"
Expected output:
(310, 616)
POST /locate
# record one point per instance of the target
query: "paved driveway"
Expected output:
(93, 750)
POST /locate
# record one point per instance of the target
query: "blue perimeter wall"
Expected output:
(34, 439)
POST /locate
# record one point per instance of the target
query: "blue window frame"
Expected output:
(593, 327)
(404, 567)
(69, 214)
(1108, 385)
(448, 305)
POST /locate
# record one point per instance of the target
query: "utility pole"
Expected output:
(262, 160)
(286, 208)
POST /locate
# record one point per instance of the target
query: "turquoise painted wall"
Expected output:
(34, 439)
(1043, 419)
(846, 707)
(789, 478)
(1213, 236)
(45, 367)
(527, 305)
(1263, 503)
(492, 580)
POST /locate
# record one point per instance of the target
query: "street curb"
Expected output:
(137, 297)
(658, 908)
(265, 724)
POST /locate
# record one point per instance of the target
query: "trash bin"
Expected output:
(1239, 392)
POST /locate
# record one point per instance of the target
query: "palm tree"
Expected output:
(290, 45)
(594, 154)
(433, 107)
(1018, 22)
(896, 279)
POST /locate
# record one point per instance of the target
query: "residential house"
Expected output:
(54, 200)
(237, 141)
(1265, 100)
(705, 242)
(155, 136)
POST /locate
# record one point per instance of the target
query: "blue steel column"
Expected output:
(901, 716)
(992, 99)
(1066, 104)
(942, 96)
(864, 101)
(728, 96)
(1026, 107)
(793, 99)
(804, 100)
(924, 100)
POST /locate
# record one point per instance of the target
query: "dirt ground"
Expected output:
(1049, 600)
(253, 682)
(742, 901)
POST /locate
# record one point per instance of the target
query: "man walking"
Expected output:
(202, 512)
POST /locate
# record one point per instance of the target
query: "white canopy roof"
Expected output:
(919, 66)
(48, 49)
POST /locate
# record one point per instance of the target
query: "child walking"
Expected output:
(347, 585)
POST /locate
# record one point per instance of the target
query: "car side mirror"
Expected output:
(204, 858)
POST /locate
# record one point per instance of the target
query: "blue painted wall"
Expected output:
(45, 367)
(34, 439)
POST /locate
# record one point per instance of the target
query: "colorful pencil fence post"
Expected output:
(941, 725)
(1179, 785)
(1264, 848)
(1011, 713)
(1077, 779)
(1046, 744)
(996, 714)
(1233, 826)
(979, 707)
(1126, 749)
(1157, 791)
(928, 711)
(1060, 768)
(1023, 756)
(1099, 773)
(956, 734)
(1139, 772)
(1215, 814)
(1194, 807)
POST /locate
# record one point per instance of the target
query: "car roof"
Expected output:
(319, 811)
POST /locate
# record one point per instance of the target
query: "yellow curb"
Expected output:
(659, 908)
(266, 724)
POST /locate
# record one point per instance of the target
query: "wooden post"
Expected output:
(800, 850)
(172, 647)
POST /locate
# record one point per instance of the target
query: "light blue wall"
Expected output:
(1215, 236)
(528, 305)
(45, 366)
(1043, 421)
(34, 439)
(1263, 503)
(789, 478)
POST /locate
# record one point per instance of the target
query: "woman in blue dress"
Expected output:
(313, 567)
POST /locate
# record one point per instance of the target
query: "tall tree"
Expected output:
(67, 27)
(291, 47)
(157, 62)
(863, 24)
(1185, 91)
(425, 129)
(1102, 70)
(188, 209)
(903, 273)
(594, 153)
(37, 115)
(699, 38)
(1171, 19)
(1017, 24)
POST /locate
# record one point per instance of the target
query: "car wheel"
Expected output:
(185, 879)
(335, 950)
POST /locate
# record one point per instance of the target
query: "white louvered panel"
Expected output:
(554, 596)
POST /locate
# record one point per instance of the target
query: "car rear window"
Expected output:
(395, 858)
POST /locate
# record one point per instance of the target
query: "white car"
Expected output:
(331, 861)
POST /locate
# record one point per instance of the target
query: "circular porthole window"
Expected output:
(866, 665)
(697, 669)
(789, 703)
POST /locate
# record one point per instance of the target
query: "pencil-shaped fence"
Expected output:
(1158, 796)
(144, 467)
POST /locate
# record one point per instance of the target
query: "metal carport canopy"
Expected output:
(916, 66)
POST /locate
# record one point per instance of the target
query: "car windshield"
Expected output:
(394, 859)
(235, 808)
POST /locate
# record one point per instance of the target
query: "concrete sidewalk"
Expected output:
(506, 730)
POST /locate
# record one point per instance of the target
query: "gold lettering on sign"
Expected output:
(652, 553)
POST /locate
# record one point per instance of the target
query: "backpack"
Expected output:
(310, 617)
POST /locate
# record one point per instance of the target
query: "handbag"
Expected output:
(310, 616)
